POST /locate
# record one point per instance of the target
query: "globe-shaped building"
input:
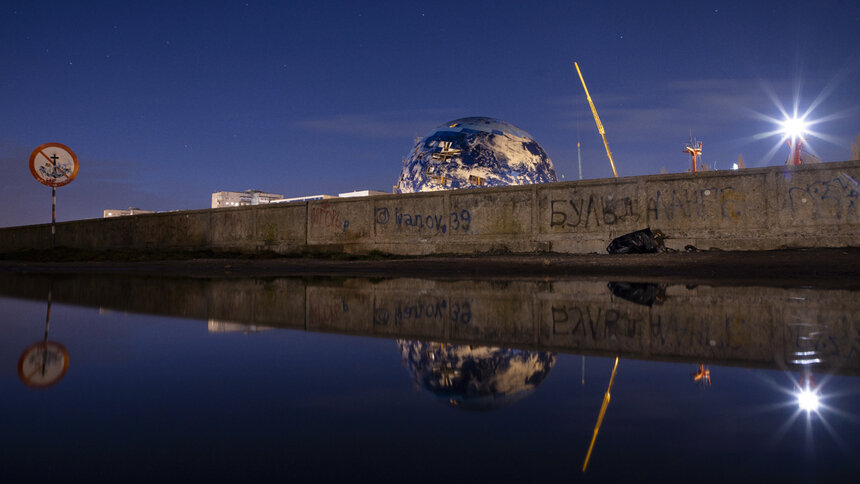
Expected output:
(474, 152)
(475, 377)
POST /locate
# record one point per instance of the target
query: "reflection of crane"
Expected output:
(703, 376)
(597, 120)
(601, 414)
(583, 370)
(695, 151)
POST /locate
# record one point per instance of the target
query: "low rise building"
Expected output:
(121, 213)
(361, 193)
(241, 199)
(306, 198)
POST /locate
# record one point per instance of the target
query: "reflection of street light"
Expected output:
(807, 399)
(807, 392)
(794, 129)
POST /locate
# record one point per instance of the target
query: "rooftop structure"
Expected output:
(241, 199)
(122, 213)
(306, 198)
(361, 193)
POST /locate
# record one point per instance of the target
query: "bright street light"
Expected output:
(794, 127)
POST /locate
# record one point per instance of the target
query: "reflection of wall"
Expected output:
(763, 208)
(750, 326)
(217, 326)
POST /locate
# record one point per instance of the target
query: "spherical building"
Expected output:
(475, 377)
(474, 152)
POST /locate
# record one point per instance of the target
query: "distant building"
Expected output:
(121, 213)
(306, 198)
(361, 193)
(241, 199)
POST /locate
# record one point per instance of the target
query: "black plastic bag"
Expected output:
(640, 242)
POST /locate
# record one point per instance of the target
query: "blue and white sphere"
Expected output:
(475, 377)
(474, 152)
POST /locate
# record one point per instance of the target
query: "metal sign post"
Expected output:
(54, 165)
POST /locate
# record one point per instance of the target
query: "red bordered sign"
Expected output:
(43, 364)
(54, 164)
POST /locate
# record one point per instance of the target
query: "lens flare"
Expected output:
(808, 400)
(794, 127)
(798, 127)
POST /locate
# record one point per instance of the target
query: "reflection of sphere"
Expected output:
(472, 152)
(475, 377)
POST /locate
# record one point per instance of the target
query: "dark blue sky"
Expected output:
(166, 102)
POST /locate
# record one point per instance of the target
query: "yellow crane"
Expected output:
(597, 120)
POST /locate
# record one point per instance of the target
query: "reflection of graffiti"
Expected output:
(319, 313)
(855, 346)
(812, 342)
(835, 198)
(598, 323)
(438, 310)
(419, 221)
(597, 210)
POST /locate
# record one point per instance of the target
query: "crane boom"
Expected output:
(597, 120)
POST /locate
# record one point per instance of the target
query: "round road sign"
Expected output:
(54, 164)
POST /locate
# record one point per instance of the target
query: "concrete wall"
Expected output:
(745, 326)
(754, 209)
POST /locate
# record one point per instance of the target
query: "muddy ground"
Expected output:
(829, 268)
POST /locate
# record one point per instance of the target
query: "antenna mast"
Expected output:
(695, 151)
(579, 159)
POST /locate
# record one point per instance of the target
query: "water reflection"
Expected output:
(808, 399)
(702, 376)
(217, 326)
(45, 363)
(644, 293)
(768, 327)
(310, 396)
(475, 377)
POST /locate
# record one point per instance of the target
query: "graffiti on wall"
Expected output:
(701, 203)
(326, 216)
(662, 205)
(836, 198)
(594, 211)
(457, 220)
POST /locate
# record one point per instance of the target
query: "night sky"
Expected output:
(167, 102)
